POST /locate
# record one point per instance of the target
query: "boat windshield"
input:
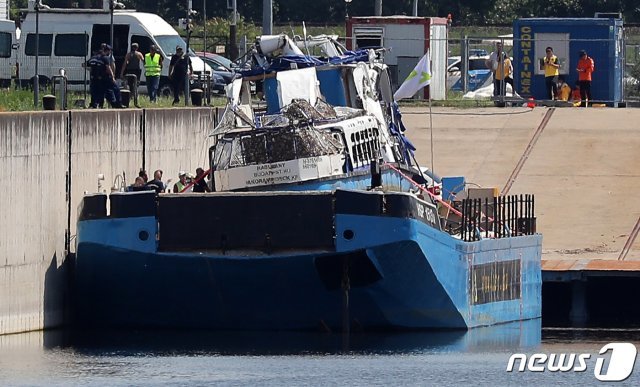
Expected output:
(270, 146)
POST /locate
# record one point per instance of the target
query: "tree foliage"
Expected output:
(331, 12)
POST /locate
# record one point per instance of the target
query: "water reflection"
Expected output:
(511, 336)
(478, 357)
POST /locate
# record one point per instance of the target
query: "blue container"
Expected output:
(602, 39)
(451, 185)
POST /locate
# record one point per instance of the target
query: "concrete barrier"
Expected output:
(47, 161)
(177, 140)
(109, 143)
(33, 218)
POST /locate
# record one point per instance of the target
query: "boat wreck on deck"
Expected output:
(321, 219)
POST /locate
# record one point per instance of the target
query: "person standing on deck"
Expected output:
(182, 183)
(157, 183)
(200, 184)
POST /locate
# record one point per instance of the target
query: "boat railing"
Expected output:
(475, 219)
(502, 217)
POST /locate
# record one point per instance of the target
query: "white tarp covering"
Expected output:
(297, 84)
(487, 92)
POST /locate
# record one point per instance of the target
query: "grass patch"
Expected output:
(454, 99)
(22, 101)
(455, 103)
(16, 100)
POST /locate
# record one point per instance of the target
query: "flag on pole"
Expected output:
(419, 78)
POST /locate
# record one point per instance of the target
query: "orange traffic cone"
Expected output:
(531, 104)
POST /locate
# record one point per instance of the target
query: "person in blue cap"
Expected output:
(97, 67)
(110, 87)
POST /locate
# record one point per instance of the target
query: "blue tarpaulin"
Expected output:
(288, 62)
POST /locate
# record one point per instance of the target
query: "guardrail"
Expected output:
(502, 217)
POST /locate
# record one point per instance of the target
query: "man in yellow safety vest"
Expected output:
(152, 70)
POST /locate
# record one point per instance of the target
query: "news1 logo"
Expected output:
(620, 365)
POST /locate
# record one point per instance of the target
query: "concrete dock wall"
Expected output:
(47, 161)
(177, 143)
(33, 150)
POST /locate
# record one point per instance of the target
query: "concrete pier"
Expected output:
(47, 161)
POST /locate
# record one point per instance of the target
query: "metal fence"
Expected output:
(503, 216)
(458, 66)
(468, 78)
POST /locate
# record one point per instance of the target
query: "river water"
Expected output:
(158, 358)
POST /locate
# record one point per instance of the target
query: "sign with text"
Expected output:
(282, 172)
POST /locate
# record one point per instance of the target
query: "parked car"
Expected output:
(223, 67)
(478, 72)
(222, 74)
(478, 52)
(218, 60)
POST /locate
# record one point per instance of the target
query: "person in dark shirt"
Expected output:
(97, 66)
(143, 175)
(111, 89)
(201, 184)
(139, 185)
(157, 183)
(179, 68)
(131, 66)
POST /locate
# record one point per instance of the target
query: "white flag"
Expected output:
(419, 78)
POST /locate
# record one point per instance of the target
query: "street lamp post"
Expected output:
(37, 6)
(377, 6)
(233, 50)
(190, 13)
(346, 9)
(267, 17)
(113, 4)
(36, 83)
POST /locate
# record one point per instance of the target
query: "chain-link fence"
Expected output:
(461, 65)
(632, 69)
(465, 68)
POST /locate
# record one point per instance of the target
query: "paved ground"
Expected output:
(584, 168)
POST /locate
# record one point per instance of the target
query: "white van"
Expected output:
(69, 37)
(7, 52)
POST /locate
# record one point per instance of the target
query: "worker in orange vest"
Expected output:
(585, 68)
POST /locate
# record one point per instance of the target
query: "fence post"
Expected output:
(464, 64)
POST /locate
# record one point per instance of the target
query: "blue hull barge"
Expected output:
(320, 219)
(286, 261)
